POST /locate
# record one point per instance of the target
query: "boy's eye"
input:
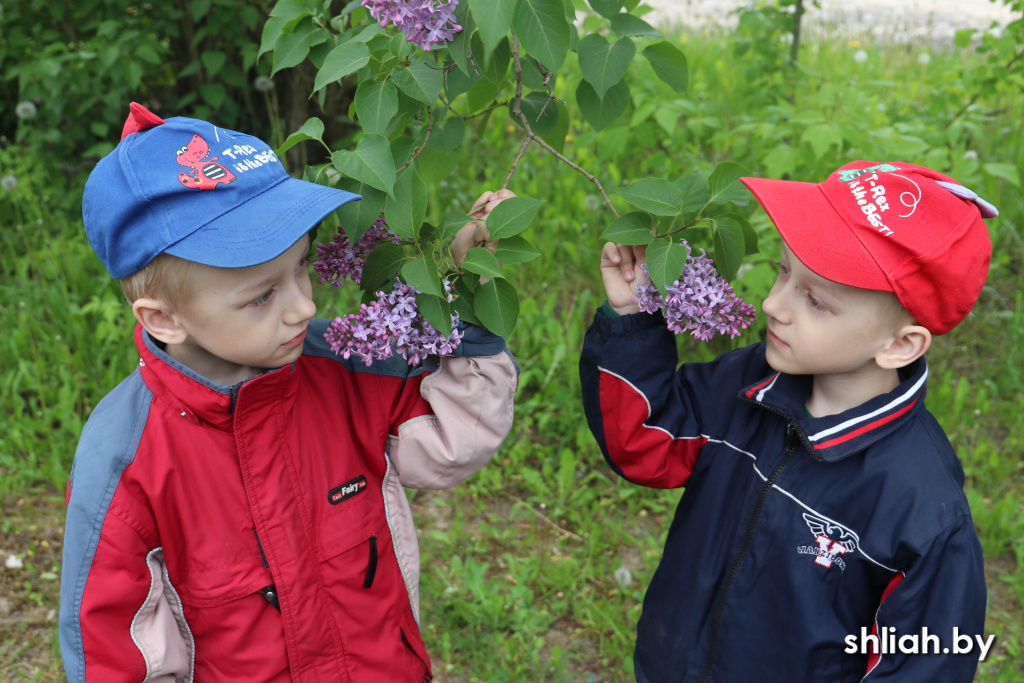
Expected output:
(815, 304)
(303, 262)
(262, 299)
(783, 268)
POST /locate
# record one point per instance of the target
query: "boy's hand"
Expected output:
(620, 270)
(475, 233)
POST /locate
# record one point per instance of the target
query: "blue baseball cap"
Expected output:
(199, 192)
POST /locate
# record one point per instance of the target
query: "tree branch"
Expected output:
(531, 136)
(416, 153)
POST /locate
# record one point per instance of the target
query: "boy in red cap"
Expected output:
(236, 508)
(824, 534)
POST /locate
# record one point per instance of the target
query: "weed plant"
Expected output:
(535, 568)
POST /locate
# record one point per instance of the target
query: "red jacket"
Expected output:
(260, 532)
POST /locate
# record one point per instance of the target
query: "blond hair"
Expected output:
(166, 277)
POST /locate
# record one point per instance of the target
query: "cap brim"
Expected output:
(264, 227)
(816, 233)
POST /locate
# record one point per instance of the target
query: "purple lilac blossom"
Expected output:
(425, 23)
(700, 301)
(338, 260)
(389, 324)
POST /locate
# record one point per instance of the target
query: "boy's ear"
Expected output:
(910, 343)
(159, 320)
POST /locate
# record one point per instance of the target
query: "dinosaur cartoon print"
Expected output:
(203, 173)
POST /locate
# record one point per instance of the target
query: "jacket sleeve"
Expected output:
(647, 416)
(470, 404)
(940, 599)
(120, 619)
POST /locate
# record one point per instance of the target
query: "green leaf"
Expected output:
(291, 48)
(463, 303)
(458, 49)
(727, 238)
(1007, 172)
(419, 81)
(779, 162)
(515, 249)
(312, 129)
(606, 8)
(357, 217)
(343, 60)
(749, 234)
(447, 138)
(376, 104)
(382, 265)
(669, 64)
(601, 112)
(630, 228)
(213, 61)
(482, 262)
(435, 166)
(437, 311)
(541, 112)
(451, 224)
(631, 25)
(406, 209)
(494, 66)
(543, 31)
(512, 216)
(213, 94)
(496, 304)
(421, 273)
(271, 32)
(603, 65)
(493, 17)
(654, 195)
(695, 194)
(665, 261)
(370, 163)
(724, 184)
(821, 136)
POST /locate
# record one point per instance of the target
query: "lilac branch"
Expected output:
(531, 136)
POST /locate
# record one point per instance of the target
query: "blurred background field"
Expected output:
(533, 570)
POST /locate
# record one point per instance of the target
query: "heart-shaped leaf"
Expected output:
(654, 195)
(630, 228)
(600, 112)
(512, 216)
(665, 261)
(603, 64)
(543, 30)
(496, 304)
(370, 163)
(343, 60)
(376, 104)
(481, 262)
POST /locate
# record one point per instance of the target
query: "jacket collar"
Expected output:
(197, 398)
(835, 437)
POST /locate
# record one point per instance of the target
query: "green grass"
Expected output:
(535, 568)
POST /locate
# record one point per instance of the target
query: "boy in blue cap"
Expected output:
(824, 534)
(236, 508)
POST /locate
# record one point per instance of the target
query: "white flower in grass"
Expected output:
(14, 562)
(8, 182)
(860, 56)
(924, 58)
(263, 83)
(25, 110)
(971, 155)
(623, 576)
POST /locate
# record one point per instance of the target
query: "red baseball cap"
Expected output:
(891, 226)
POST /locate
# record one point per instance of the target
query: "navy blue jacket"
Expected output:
(796, 535)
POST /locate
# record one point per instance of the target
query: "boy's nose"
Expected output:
(772, 305)
(301, 308)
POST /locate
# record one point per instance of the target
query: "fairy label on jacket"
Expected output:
(347, 490)
(832, 541)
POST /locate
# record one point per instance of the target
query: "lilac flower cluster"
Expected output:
(700, 301)
(338, 260)
(389, 324)
(425, 23)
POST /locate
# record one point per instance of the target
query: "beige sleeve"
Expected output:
(472, 399)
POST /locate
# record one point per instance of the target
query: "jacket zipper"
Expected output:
(791, 452)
